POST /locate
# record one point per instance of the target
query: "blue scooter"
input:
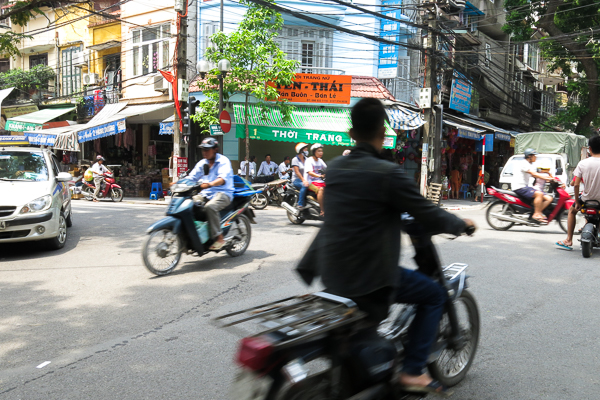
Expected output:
(185, 228)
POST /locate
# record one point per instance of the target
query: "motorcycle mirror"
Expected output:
(206, 169)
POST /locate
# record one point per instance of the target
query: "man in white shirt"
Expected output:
(245, 164)
(522, 187)
(98, 170)
(587, 171)
(313, 168)
(284, 168)
(267, 169)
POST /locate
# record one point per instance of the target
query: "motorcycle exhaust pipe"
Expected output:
(502, 217)
(290, 209)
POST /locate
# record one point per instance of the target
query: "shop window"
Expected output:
(38, 59)
(313, 54)
(71, 75)
(308, 55)
(151, 49)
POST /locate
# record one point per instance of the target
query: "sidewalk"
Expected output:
(144, 200)
(466, 204)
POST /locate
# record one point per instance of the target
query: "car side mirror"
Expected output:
(63, 177)
(559, 171)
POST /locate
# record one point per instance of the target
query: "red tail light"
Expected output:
(254, 353)
(591, 211)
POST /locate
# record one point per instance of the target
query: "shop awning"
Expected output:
(166, 127)
(62, 138)
(464, 131)
(403, 118)
(328, 126)
(113, 120)
(35, 120)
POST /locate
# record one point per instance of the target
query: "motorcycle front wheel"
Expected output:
(116, 194)
(452, 365)
(259, 201)
(499, 207)
(162, 251)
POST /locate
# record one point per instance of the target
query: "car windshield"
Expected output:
(23, 166)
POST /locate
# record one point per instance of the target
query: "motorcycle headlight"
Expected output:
(40, 204)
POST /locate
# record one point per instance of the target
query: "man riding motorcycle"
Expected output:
(313, 167)
(357, 250)
(217, 187)
(522, 188)
(98, 171)
(298, 172)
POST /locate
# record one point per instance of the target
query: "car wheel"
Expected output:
(58, 242)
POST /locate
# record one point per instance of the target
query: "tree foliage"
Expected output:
(255, 60)
(35, 78)
(570, 48)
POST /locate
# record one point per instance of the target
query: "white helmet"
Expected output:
(315, 146)
(300, 146)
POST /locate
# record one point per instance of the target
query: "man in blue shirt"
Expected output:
(217, 186)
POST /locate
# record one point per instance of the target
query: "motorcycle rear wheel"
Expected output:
(586, 249)
(159, 257)
(562, 220)
(90, 193)
(116, 194)
(242, 228)
(295, 220)
(499, 207)
(259, 201)
(452, 365)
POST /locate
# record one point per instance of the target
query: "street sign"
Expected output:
(215, 130)
(225, 121)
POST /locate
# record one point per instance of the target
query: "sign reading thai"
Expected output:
(316, 88)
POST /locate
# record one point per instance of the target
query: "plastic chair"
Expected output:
(464, 188)
(156, 191)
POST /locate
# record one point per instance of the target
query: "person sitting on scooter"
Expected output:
(298, 173)
(98, 171)
(312, 173)
(587, 170)
(357, 250)
(522, 188)
(217, 187)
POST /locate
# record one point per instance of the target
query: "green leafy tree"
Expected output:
(36, 78)
(569, 26)
(255, 60)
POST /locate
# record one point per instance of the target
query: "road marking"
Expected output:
(42, 365)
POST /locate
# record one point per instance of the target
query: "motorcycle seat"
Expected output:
(509, 192)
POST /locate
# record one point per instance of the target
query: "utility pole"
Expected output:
(431, 83)
(181, 70)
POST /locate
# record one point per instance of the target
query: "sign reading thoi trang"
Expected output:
(315, 88)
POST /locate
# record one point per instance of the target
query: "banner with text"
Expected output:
(316, 88)
(100, 131)
(460, 93)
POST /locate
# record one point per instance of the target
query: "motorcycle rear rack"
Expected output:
(298, 318)
(453, 270)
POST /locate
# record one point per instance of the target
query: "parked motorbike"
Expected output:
(268, 193)
(109, 189)
(589, 234)
(511, 209)
(319, 347)
(185, 230)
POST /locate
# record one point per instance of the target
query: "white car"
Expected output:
(35, 203)
(557, 162)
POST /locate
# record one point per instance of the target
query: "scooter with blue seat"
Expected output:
(185, 228)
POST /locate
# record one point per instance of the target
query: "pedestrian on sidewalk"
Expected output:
(455, 182)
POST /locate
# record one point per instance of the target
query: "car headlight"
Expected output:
(40, 204)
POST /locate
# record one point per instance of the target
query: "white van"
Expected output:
(557, 161)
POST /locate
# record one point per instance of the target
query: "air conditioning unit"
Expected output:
(80, 58)
(90, 79)
(160, 84)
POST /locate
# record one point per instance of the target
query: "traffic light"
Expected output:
(191, 130)
(187, 110)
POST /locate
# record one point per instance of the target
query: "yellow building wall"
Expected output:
(103, 34)
(76, 30)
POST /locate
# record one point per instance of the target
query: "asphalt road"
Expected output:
(111, 330)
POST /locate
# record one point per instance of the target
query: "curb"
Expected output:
(463, 208)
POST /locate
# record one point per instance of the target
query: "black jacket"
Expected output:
(357, 250)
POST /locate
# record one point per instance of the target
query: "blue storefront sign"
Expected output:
(166, 128)
(503, 136)
(489, 143)
(10, 140)
(41, 139)
(390, 30)
(467, 134)
(460, 93)
(100, 131)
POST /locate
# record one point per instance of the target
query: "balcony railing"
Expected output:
(93, 103)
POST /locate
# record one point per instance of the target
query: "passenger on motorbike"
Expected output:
(357, 250)
(98, 171)
(298, 173)
(313, 168)
(587, 170)
(522, 188)
(217, 186)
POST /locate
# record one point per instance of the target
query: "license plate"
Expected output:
(248, 385)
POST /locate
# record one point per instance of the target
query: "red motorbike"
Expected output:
(511, 209)
(109, 189)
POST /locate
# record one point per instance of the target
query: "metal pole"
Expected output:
(430, 82)
(220, 93)
(483, 168)
(221, 19)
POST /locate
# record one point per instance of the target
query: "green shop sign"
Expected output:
(18, 126)
(327, 138)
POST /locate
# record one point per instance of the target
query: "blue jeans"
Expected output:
(303, 189)
(429, 297)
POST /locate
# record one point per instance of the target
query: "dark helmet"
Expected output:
(100, 158)
(530, 152)
(209, 143)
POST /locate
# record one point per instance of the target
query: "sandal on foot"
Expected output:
(561, 244)
(434, 387)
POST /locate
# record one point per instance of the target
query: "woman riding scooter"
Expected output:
(313, 168)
